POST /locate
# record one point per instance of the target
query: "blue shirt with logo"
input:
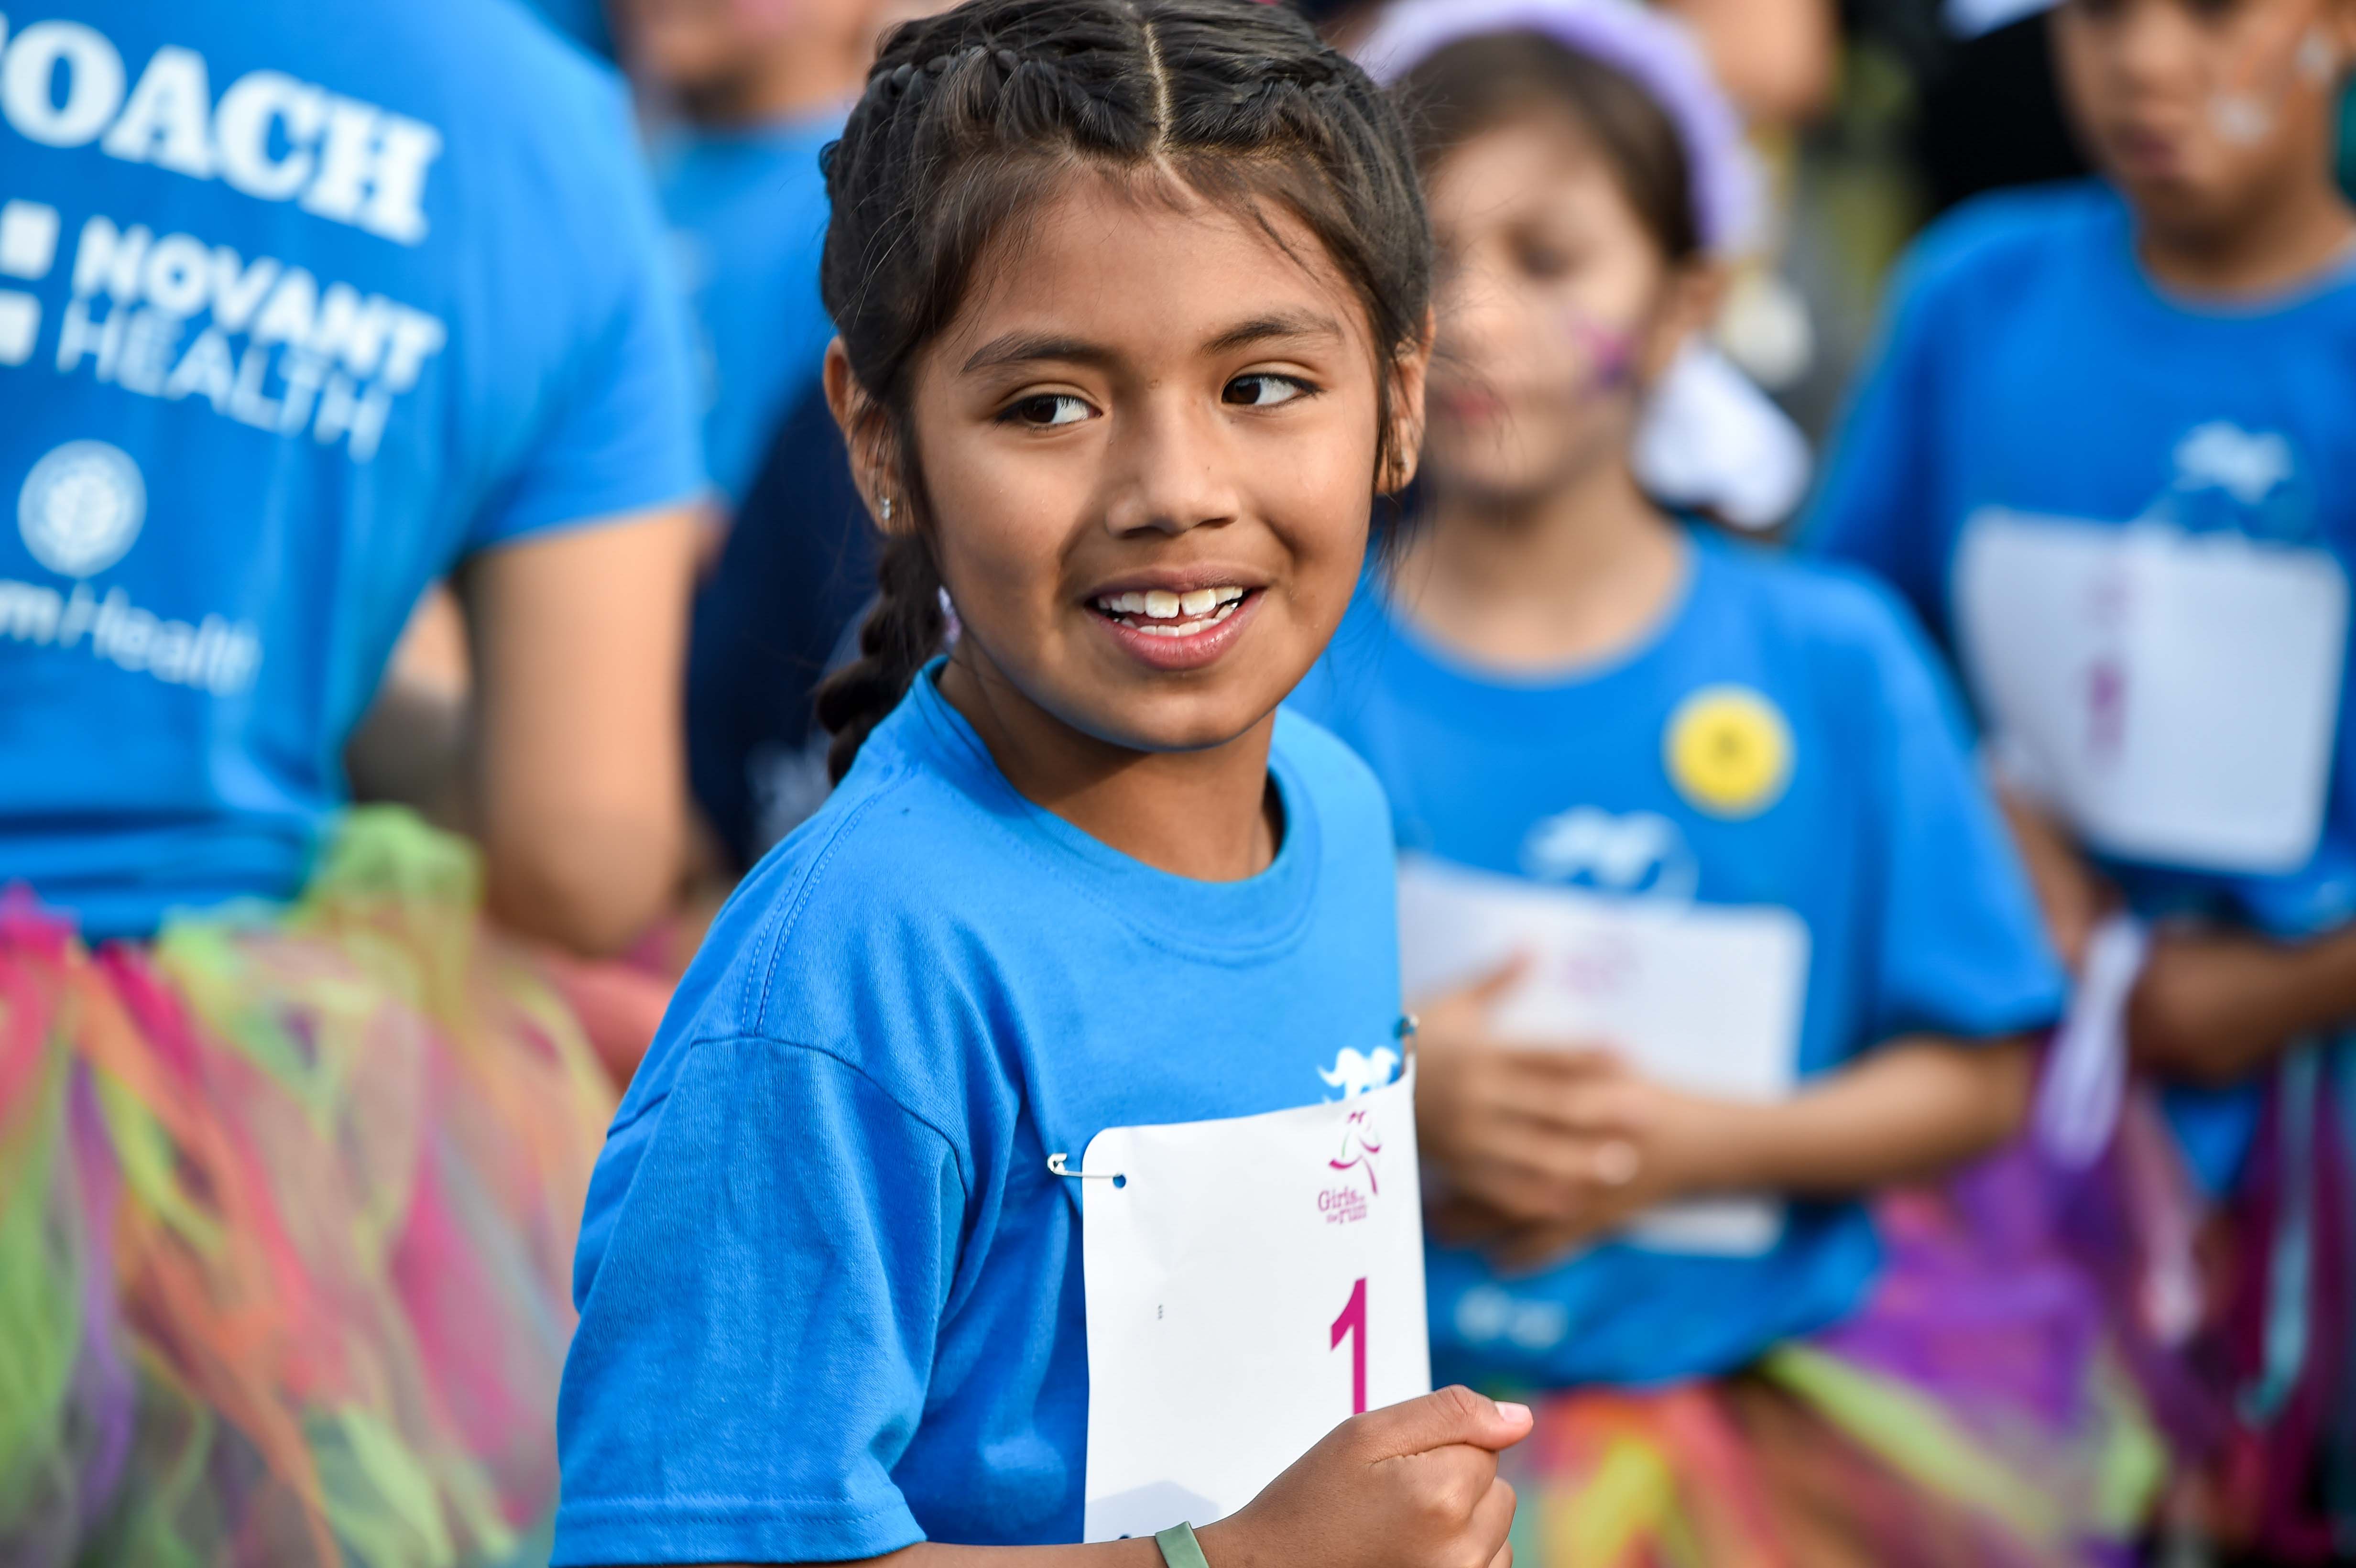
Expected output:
(2030, 364)
(300, 305)
(832, 1300)
(1879, 838)
(748, 214)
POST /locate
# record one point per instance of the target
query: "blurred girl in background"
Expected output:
(2106, 454)
(1724, 933)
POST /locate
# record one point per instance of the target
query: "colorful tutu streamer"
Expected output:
(2276, 1348)
(287, 1206)
(1978, 1413)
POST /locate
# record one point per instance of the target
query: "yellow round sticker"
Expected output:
(1729, 750)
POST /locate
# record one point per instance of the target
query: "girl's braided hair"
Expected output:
(975, 116)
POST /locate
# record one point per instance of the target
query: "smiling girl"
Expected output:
(984, 1190)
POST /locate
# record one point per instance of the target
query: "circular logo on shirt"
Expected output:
(81, 507)
(1729, 750)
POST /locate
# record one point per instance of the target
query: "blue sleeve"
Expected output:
(620, 434)
(1961, 948)
(768, 1252)
(1872, 506)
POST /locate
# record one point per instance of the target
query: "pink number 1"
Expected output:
(1353, 1323)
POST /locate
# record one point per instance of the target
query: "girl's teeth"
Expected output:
(1161, 604)
(1188, 628)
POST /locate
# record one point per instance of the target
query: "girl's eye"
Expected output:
(1264, 391)
(1047, 411)
(1545, 261)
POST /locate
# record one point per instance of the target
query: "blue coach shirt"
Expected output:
(300, 304)
(831, 1296)
(2030, 365)
(748, 215)
(1870, 826)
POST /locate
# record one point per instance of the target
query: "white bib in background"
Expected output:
(2175, 696)
(1251, 1283)
(1698, 996)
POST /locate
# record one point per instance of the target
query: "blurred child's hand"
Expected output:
(1543, 1147)
(2071, 895)
(1481, 1107)
(1622, 1144)
(2212, 1005)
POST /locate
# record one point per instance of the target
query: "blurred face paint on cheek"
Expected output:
(1602, 354)
(2248, 111)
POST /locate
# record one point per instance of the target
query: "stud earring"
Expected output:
(887, 508)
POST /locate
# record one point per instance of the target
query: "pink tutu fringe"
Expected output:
(287, 1207)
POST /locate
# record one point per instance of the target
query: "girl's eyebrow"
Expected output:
(1294, 324)
(1028, 347)
(1033, 347)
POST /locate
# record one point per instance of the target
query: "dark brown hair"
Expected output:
(1475, 84)
(975, 116)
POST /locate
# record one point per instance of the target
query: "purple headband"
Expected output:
(1652, 50)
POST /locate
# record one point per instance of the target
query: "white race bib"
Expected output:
(1702, 997)
(1251, 1283)
(2175, 696)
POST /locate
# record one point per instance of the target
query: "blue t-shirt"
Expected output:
(1879, 838)
(831, 1296)
(299, 306)
(771, 619)
(748, 213)
(2030, 364)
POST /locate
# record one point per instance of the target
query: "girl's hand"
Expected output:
(2211, 1006)
(1479, 1107)
(1414, 1486)
(1542, 1148)
(1610, 1144)
(1544, 1135)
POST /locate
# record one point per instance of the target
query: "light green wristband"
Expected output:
(1180, 1549)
